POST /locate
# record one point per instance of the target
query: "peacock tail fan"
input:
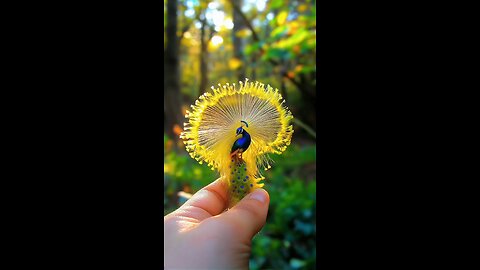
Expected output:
(233, 129)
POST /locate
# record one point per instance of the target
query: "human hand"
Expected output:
(200, 235)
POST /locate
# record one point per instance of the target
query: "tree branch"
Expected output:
(257, 39)
(212, 32)
(308, 129)
(185, 29)
(247, 21)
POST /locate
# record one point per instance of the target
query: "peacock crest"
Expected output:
(233, 129)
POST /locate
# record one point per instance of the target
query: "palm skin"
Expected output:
(213, 238)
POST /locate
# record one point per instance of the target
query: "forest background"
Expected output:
(226, 41)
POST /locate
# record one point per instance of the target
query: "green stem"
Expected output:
(308, 129)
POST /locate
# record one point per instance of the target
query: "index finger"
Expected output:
(207, 202)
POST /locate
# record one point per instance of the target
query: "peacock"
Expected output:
(242, 143)
(233, 129)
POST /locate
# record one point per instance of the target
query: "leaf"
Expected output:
(274, 53)
(302, 8)
(250, 48)
(298, 68)
(296, 49)
(310, 44)
(296, 263)
(235, 63)
(274, 4)
(279, 32)
(243, 33)
(177, 130)
(307, 69)
(282, 17)
(304, 227)
(273, 22)
(298, 37)
(293, 27)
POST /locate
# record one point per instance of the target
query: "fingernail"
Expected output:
(259, 195)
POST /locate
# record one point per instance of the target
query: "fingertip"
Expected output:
(250, 213)
(260, 195)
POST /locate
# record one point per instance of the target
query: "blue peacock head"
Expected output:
(240, 129)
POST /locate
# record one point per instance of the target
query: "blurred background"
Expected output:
(274, 42)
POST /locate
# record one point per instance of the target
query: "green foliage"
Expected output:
(181, 171)
(275, 4)
(288, 239)
(279, 32)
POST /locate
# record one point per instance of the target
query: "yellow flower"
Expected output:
(211, 128)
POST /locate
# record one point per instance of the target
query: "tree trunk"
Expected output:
(238, 42)
(308, 92)
(171, 67)
(203, 55)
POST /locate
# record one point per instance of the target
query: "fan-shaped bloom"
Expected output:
(211, 129)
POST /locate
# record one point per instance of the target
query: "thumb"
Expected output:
(250, 214)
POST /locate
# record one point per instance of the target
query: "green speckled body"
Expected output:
(240, 183)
